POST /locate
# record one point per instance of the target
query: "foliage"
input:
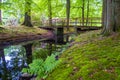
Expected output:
(92, 58)
(11, 49)
(42, 68)
(40, 9)
(40, 53)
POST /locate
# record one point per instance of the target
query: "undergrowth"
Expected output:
(43, 63)
(42, 67)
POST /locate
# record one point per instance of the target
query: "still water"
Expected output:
(14, 58)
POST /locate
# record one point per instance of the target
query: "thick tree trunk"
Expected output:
(27, 18)
(116, 5)
(104, 16)
(111, 16)
(68, 13)
(50, 12)
(109, 25)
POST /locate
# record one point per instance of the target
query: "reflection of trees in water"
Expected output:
(43, 49)
(14, 58)
(12, 61)
(3, 67)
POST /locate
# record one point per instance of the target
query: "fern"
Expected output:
(42, 68)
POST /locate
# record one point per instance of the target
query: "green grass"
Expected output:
(92, 57)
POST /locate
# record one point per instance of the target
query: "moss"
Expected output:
(94, 58)
(18, 31)
(65, 73)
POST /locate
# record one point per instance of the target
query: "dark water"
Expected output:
(12, 60)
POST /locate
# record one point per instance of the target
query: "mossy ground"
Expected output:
(91, 57)
(18, 31)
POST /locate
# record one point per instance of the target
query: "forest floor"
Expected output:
(90, 57)
(21, 33)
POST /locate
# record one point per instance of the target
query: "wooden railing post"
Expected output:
(91, 21)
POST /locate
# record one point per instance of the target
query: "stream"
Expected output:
(14, 58)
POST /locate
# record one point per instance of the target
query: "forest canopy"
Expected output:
(40, 8)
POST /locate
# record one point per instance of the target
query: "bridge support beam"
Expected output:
(60, 35)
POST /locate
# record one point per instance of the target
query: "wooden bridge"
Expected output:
(75, 22)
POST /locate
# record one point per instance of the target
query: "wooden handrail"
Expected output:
(77, 21)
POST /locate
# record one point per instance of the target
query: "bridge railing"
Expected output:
(94, 21)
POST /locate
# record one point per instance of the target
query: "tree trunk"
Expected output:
(50, 12)
(116, 15)
(68, 13)
(109, 25)
(83, 8)
(5, 70)
(111, 9)
(27, 18)
(0, 12)
(104, 15)
(88, 5)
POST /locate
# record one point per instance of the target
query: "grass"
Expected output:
(91, 57)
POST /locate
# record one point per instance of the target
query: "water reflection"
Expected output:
(12, 60)
(28, 50)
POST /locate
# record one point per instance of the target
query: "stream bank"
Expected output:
(91, 57)
(18, 52)
(21, 34)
